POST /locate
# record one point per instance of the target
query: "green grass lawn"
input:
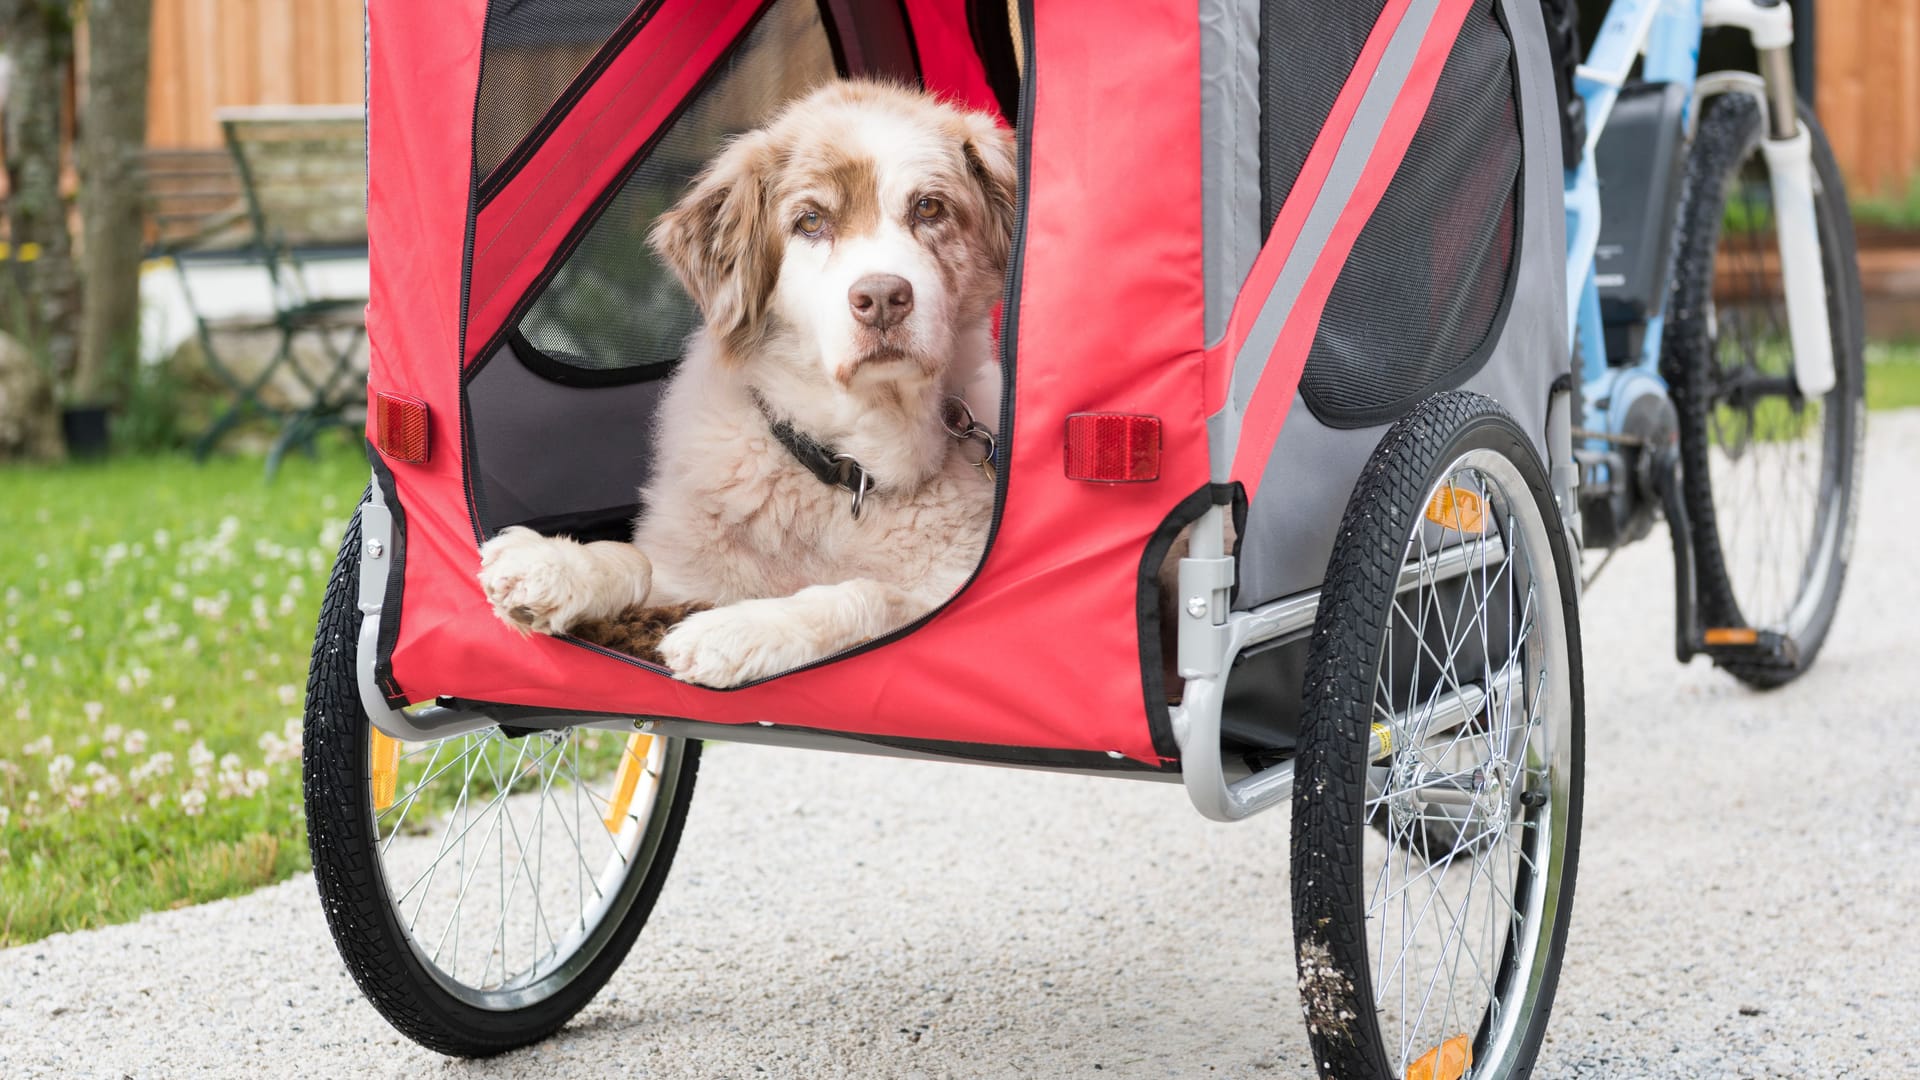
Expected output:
(1893, 376)
(153, 650)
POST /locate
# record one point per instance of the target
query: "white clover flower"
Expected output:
(29, 661)
(256, 780)
(123, 684)
(76, 632)
(166, 703)
(58, 770)
(14, 597)
(289, 694)
(13, 645)
(154, 800)
(193, 802)
(94, 770)
(199, 757)
(112, 732)
(73, 590)
(141, 675)
(5, 814)
(24, 713)
(162, 538)
(230, 763)
(106, 785)
(296, 585)
(135, 742)
(177, 590)
(285, 607)
(94, 709)
(10, 771)
(183, 726)
(249, 675)
(39, 746)
(152, 612)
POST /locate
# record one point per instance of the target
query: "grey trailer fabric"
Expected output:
(1355, 148)
(1312, 470)
(542, 452)
(1230, 151)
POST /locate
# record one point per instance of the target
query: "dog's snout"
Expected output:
(881, 300)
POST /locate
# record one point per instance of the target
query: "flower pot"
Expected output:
(85, 427)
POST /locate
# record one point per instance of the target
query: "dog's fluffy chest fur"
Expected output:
(727, 497)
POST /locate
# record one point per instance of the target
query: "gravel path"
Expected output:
(1745, 907)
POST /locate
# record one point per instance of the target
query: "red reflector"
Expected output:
(1113, 447)
(400, 427)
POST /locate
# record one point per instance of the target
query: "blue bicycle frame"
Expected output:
(1666, 33)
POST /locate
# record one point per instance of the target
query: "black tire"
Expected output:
(1366, 643)
(415, 995)
(1774, 453)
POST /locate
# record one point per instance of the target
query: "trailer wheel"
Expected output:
(1436, 806)
(481, 888)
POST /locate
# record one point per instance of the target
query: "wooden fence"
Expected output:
(209, 53)
(1868, 68)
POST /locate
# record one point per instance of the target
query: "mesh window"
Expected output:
(613, 305)
(534, 49)
(1307, 51)
(1429, 275)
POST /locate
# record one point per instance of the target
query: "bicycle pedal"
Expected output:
(1746, 645)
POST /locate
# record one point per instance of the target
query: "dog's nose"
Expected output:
(881, 300)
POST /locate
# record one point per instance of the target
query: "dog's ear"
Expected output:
(990, 158)
(718, 241)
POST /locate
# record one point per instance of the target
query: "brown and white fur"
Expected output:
(787, 243)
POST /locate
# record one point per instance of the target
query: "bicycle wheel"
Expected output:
(1443, 701)
(480, 888)
(1770, 477)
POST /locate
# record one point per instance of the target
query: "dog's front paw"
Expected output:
(735, 645)
(536, 584)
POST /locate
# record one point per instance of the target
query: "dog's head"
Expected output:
(864, 229)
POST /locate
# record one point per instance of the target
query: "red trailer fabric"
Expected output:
(1042, 650)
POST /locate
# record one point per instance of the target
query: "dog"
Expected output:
(823, 473)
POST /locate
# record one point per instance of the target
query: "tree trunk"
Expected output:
(113, 132)
(37, 301)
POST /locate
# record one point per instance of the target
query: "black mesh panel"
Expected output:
(1428, 277)
(613, 304)
(534, 49)
(1307, 51)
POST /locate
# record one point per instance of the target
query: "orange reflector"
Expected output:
(1458, 509)
(633, 763)
(1113, 448)
(383, 758)
(1448, 1061)
(1732, 635)
(400, 427)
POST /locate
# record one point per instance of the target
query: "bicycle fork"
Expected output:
(1788, 149)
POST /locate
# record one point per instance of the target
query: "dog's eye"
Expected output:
(929, 209)
(810, 223)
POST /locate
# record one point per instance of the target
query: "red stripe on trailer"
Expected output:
(1273, 395)
(522, 228)
(1299, 203)
(1279, 377)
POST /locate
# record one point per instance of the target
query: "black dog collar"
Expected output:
(827, 464)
